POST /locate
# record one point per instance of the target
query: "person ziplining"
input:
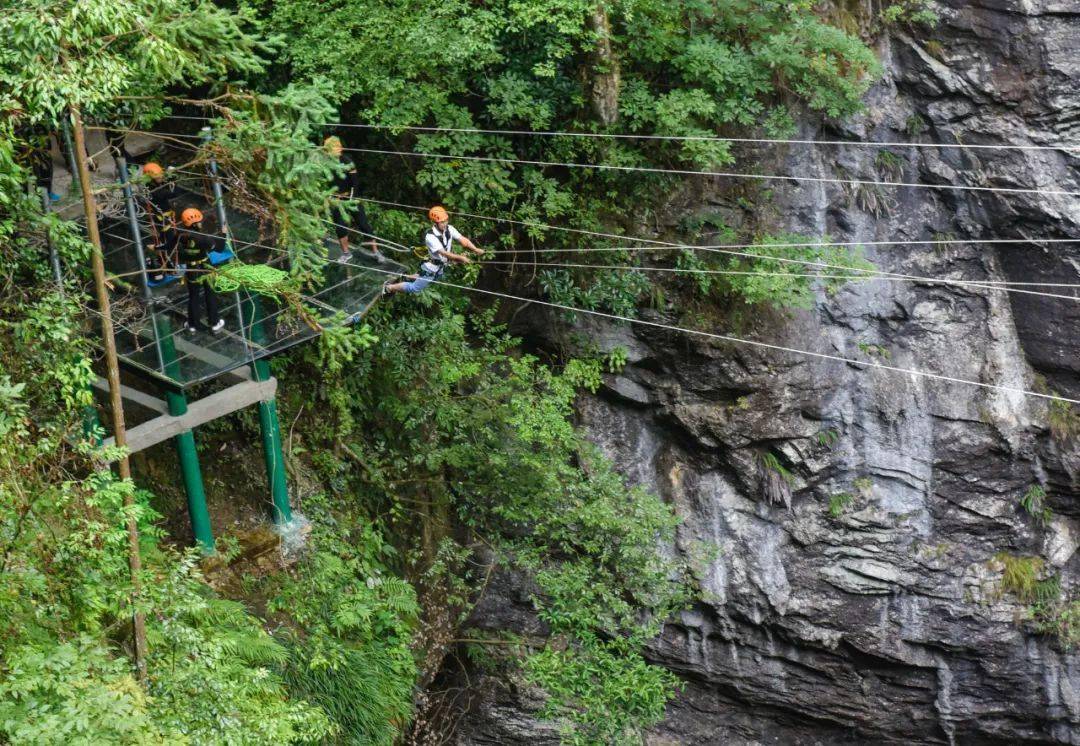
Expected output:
(438, 242)
(195, 249)
(346, 188)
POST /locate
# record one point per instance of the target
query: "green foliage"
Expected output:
(73, 692)
(615, 360)
(684, 69)
(614, 291)
(1064, 421)
(911, 12)
(1020, 575)
(1060, 619)
(777, 480)
(839, 503)
(213, 664)
(91, 52)
(263, 145)
(767, 275)
(1049, 612)
(770, 462)
(1034, 504)
(890, 165)
(351, 625)
(915, 125)
(604, 691)
(874, 350)
(828, 437)
(66, 595)
(460, 438)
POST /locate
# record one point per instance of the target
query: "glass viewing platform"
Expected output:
(150, 334)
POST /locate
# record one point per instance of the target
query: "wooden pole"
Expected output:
(113, 367)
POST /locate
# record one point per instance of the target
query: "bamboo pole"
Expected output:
(113, 367)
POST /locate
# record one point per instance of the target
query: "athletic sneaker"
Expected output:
(190, 329)
(386, 288)
(377, 256)
(345, 256)
(218, 326)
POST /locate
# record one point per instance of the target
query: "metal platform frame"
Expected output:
(177, 418)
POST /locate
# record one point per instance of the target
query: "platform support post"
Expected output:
(268, 418)
(186, 454)
(76, 181)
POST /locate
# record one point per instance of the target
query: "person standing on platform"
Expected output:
(195, 247)
(158, 205)
(347, 187)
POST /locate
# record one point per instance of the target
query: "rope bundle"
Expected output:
(269, 282)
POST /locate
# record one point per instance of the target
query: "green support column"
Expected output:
(268, 418)
(185, 445)
(91, 425)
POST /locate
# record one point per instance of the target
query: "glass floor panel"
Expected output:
(151, 338)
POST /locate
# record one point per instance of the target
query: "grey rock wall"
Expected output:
(888, 623)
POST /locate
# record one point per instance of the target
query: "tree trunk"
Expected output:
(113, 367)
(607, 79)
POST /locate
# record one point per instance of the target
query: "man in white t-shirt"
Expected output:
(439, 241)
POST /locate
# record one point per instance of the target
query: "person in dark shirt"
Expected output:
(158, 206)
(195, 247)
(347, 187)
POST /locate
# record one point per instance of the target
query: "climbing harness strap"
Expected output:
(432, 270)
(445, 240)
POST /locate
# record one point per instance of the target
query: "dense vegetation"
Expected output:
(445, 456)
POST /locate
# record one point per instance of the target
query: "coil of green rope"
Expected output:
(257, 278)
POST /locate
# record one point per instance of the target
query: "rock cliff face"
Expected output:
(887, 622)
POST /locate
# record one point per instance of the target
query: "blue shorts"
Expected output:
(417, 285)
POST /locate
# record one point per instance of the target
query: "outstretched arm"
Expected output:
(451, 256)
(470, 246)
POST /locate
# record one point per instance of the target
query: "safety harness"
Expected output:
(436, 263)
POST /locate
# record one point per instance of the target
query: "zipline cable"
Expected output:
(850, 278)
(726, 174)
(666, 246)
(669, 244)
(767, 345)
(732, 339)
(871, 274)
(681, 138)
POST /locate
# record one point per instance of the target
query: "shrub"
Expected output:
(1034, 503)
(839, 503)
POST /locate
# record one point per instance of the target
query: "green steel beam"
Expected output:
(268, 417)
(186, 453)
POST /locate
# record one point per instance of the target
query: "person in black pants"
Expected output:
(347, 187)
(158, 206)
(195, 248)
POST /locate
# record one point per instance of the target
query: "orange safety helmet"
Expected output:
(437, 214)
(153, 170)
(190, 217)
